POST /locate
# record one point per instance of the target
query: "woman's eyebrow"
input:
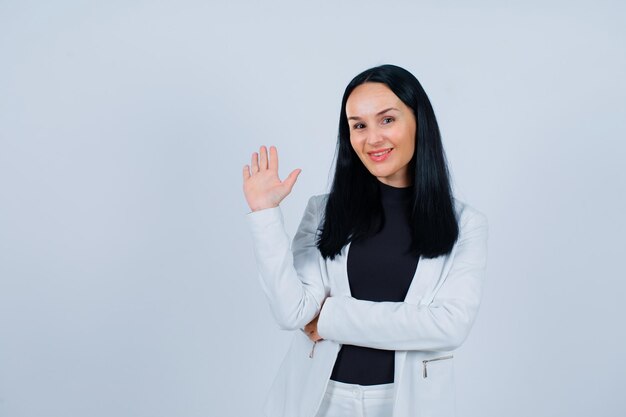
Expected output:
(377, 114)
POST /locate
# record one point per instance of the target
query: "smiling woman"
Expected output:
(384, 275)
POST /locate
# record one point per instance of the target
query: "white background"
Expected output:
(127, 277)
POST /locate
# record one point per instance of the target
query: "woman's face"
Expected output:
(382, 132)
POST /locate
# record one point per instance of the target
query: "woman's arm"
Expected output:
(442, 325)
(291, 278)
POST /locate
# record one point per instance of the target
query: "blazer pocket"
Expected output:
(435, 386)
(426, 362)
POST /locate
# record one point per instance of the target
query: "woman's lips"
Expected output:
(380, 155)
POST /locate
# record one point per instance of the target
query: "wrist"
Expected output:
(262, 207)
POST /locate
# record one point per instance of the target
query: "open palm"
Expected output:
(261, 185)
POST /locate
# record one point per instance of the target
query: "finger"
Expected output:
(263, 158)
(255, 162)
(291, 179)
(273, 163)
(246, 172)
(315, 337)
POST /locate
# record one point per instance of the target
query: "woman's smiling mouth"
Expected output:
(380, 155)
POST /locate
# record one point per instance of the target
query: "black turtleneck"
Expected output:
(380, 268)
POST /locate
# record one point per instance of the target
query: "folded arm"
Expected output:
(441, 325)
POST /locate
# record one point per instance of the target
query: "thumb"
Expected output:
(291, 179)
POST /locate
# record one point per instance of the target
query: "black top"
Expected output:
(380, 268)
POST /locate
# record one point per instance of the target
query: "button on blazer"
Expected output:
(423, 330)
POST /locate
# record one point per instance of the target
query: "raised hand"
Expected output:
(261, 185)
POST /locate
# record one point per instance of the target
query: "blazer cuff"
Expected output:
(259, 221)
(325, 326)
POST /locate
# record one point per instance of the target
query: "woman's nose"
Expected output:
(375, 137)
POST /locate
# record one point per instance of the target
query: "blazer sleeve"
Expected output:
(441, 325)
(291, 277)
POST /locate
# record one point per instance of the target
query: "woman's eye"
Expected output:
(387, 120)
(359, 126)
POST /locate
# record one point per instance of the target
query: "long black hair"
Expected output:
(354, 210)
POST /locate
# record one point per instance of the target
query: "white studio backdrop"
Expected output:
(127, 279)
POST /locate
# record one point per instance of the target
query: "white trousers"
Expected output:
(351, 400)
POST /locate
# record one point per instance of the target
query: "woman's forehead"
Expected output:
(370, 99)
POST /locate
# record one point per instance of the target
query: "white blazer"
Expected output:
(424, 329)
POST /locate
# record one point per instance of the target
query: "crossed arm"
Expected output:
(295, 284)
(442, 324)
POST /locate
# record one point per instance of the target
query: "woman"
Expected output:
(385, 273)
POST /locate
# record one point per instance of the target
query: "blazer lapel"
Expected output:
(338, 274)
(427, 275)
